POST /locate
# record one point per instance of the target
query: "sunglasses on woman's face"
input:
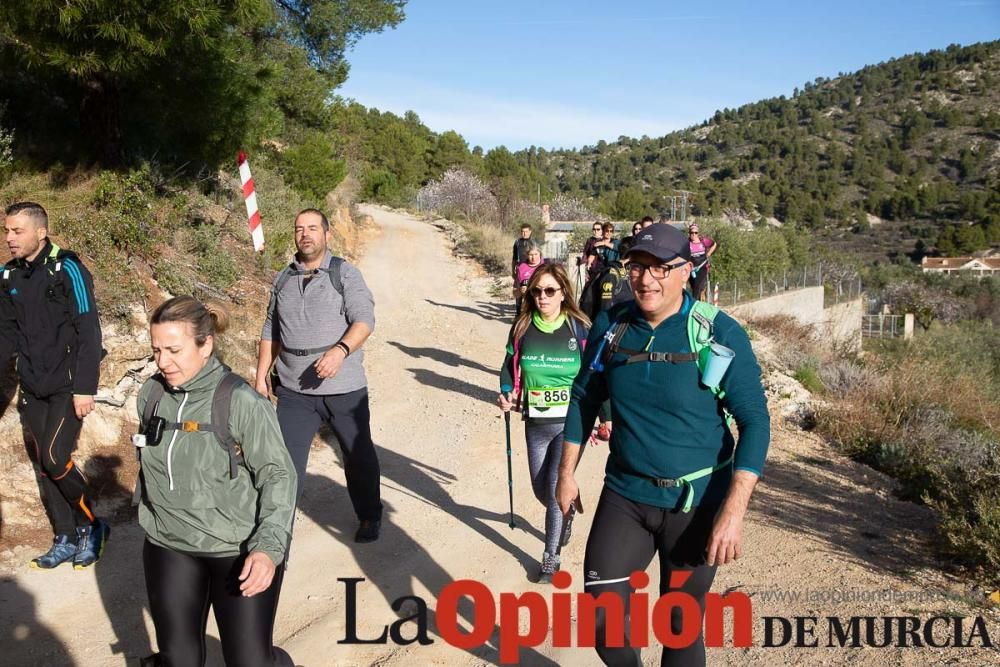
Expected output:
(547, 291)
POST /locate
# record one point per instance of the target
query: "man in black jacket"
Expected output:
(522, 245)
(49, 319)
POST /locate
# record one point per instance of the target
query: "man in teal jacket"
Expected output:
(676, 484)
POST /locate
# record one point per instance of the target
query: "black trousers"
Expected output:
(623, 539)
(53, 427)
(182, 587)
(300, 416)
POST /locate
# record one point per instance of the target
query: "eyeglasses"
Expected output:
(547, 291)
(658, 271)
(597, 229)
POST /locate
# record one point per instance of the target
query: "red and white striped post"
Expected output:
(250, 199)
(715, 296)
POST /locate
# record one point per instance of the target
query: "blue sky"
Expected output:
(565, 74)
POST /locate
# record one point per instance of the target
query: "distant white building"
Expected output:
(977, 266)
(557, 236)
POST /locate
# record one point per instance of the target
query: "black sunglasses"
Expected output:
(548, 291)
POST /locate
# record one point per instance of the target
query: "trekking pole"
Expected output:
(510, 472)
(568, 521)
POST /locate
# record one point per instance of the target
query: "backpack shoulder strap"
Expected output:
(221, 409)
(701, 333)
(155, 394)
(579, 334)
(337, 281)
(279, 282)
(517, 366)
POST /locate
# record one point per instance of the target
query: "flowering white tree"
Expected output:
(566, 207)
(458, 190)
(926, 303)
(6, 147)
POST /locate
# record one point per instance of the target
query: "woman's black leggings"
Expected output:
(182, 587)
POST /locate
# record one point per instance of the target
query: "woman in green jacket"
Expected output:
(216, 532)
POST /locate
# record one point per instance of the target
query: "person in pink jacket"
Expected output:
(524, 272)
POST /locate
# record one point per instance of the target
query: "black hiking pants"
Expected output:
(53, 428)
(181, 587)
(300, 416)
(698, 284)
(623, 539)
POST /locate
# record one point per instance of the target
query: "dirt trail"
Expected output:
(819, 524)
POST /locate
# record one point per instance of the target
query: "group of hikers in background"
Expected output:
(221, 468)
(602, 252)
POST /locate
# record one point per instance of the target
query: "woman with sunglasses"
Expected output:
(629, 241)
(544, 352)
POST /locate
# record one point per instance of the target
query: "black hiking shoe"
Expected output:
(368, 531)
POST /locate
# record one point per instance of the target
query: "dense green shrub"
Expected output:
(124, 204)
(172, 278)
(809, 378)
(380, 185)
(215, 265)
(313, 169)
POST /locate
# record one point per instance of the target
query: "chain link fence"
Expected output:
(837, 288)
(883, 326)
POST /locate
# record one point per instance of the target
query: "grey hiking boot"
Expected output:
(549, 566)
(90, 543)
(63, 549)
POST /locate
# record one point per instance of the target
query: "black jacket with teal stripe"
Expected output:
(49, 319)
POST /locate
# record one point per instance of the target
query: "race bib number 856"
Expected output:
(548, 401)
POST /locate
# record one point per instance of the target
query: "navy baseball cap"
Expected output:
(664, 242)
